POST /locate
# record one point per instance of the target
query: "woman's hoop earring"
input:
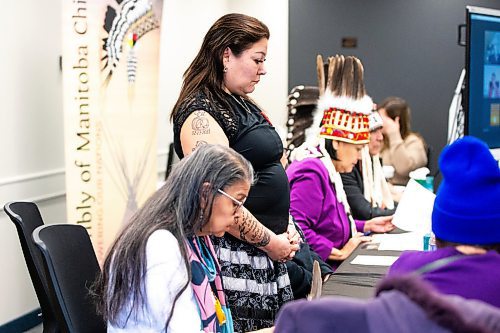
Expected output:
(225, 69)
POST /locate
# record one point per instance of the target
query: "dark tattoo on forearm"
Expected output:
(265, 240)
(199, 143)
(251, 231)
(200, 124)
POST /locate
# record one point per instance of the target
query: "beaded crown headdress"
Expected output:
(343, 104)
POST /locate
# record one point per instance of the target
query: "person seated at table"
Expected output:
(161, 274)
(466, 224)
(317, 199)
(403, 149)
(403, 304)
(367, 190)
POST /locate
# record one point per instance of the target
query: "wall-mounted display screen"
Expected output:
(483, 75)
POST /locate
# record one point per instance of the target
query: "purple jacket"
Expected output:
(314, 205)
(403, 304)
(472, 277)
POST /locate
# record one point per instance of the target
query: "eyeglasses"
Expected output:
(237, 204)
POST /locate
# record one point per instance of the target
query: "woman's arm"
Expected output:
(201, 128)
(166, 275)
(250, 230)
(306, 207)
(349, 247)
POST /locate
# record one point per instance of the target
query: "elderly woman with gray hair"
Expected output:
(161, 274)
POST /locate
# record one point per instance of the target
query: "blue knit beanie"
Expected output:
(467, 205)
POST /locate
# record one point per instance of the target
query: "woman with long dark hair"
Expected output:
(214, 107)
(161, 274)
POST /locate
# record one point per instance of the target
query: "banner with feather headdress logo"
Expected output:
(110, 79)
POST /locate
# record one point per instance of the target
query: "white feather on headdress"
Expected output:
(376, 189)
(363, 105)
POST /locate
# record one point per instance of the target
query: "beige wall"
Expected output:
(31, 126)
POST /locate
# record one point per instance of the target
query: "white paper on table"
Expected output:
(399, 242)
(374, 260)
(414, 210)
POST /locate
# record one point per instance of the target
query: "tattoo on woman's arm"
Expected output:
(200, 124)
(266, 238)
(199, 143)
(251, 231)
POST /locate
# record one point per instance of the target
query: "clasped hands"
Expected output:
(285, 245)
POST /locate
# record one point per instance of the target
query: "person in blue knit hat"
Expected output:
(466, 223)
(453, 289)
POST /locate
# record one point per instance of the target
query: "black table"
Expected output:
(357, 281)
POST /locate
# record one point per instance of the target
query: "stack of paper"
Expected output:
(414, 210)
(374, 260)
(400, 242)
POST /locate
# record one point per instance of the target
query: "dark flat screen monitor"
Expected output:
(482, 100)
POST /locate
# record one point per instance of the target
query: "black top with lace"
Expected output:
(251, 135)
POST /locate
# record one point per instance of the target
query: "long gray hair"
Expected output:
(176, 207)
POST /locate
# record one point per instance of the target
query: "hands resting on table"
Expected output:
(379, 224)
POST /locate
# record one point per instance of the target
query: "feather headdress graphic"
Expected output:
(125, 24)
(128, 164)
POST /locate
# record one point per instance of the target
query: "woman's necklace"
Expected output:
(242, 103)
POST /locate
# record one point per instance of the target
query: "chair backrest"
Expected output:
(26, 217)
(71, 266)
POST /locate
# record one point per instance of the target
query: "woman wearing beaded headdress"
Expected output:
(317, 200)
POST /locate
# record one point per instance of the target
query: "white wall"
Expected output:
(31, 135)
(31, 116)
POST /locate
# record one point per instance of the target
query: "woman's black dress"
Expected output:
(255, 286)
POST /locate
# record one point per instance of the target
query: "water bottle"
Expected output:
(429, 241)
